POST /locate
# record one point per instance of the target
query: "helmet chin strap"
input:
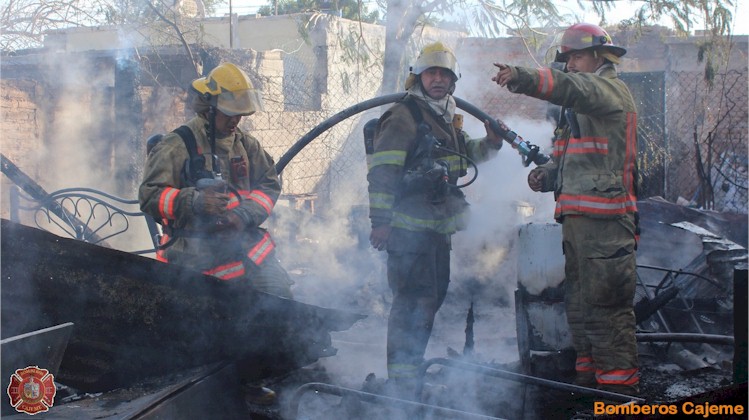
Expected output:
(215, 164)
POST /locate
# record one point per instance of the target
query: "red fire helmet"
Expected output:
(582, 36)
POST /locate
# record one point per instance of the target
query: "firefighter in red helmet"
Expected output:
(593, 178)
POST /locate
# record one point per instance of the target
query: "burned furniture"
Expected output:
(136, 317)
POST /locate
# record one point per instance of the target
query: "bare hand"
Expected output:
(536, 180)
(504, 75)
(379, 237)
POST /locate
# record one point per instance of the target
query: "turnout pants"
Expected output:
(600, 278)
(419, 281)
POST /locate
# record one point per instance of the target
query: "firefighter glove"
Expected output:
(234, 221)
(210, 203)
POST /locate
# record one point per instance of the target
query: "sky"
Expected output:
(624, 9)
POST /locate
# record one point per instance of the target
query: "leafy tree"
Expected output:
(23, 23)
(349, 9)
(403, 18)
(525, 17)
(713, 15)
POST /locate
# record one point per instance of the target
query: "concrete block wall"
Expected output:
(327, 61)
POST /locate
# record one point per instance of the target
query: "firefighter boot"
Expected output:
(259, 395)
(631, 390)
(403, 389)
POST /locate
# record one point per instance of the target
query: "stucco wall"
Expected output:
(82, 115)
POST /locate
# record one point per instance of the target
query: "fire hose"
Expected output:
(318, 387)
(529, 152)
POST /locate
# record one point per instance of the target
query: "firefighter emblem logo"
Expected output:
(32, 390)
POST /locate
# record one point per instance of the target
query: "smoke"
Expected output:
(74, 137)
(329, 258)
(327, 254)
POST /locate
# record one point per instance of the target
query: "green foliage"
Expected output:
(349, 9)
(212, 5)
(685, 16)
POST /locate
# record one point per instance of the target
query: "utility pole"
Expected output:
(231, 27)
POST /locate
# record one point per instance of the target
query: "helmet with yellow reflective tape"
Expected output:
(435, 54)
(582, 36)
(230, 90)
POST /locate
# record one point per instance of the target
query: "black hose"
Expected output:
(470, 162)
(428, 410)
(726, 340)
(526, 379)
(508, 135)
(532, 153)
(332, 121)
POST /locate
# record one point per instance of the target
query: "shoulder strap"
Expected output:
(195, 164)
(413, 107)
(189, 138)
(417, 114)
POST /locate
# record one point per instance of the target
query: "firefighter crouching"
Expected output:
(593, 177)
(212, 185)
(415, 205)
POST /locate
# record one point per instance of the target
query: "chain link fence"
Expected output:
(707, 140)
(692, 135)
(332, 167)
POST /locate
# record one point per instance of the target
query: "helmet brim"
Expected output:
(244, 102)
(617, 51)
(443, 59)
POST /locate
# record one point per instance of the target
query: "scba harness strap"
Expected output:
(194, 169)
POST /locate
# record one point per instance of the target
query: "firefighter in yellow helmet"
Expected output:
(596, 144)
(416, 206)
(212, 186)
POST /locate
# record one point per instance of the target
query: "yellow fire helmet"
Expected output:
(230, 90)
(435, 54)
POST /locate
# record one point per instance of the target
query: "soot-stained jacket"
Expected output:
(593, 170)
(394, 145)
(167, 195)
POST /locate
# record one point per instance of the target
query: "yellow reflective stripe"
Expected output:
(396, 370)
(167, 200)
(388, 157)
(456, 163)
(261, 250)
(381, 200)
(618, 376)
(545, 83)
(227, 271)
(447, 225)
(263, 199)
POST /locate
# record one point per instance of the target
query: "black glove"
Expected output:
(233, 221)
(209, 203)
